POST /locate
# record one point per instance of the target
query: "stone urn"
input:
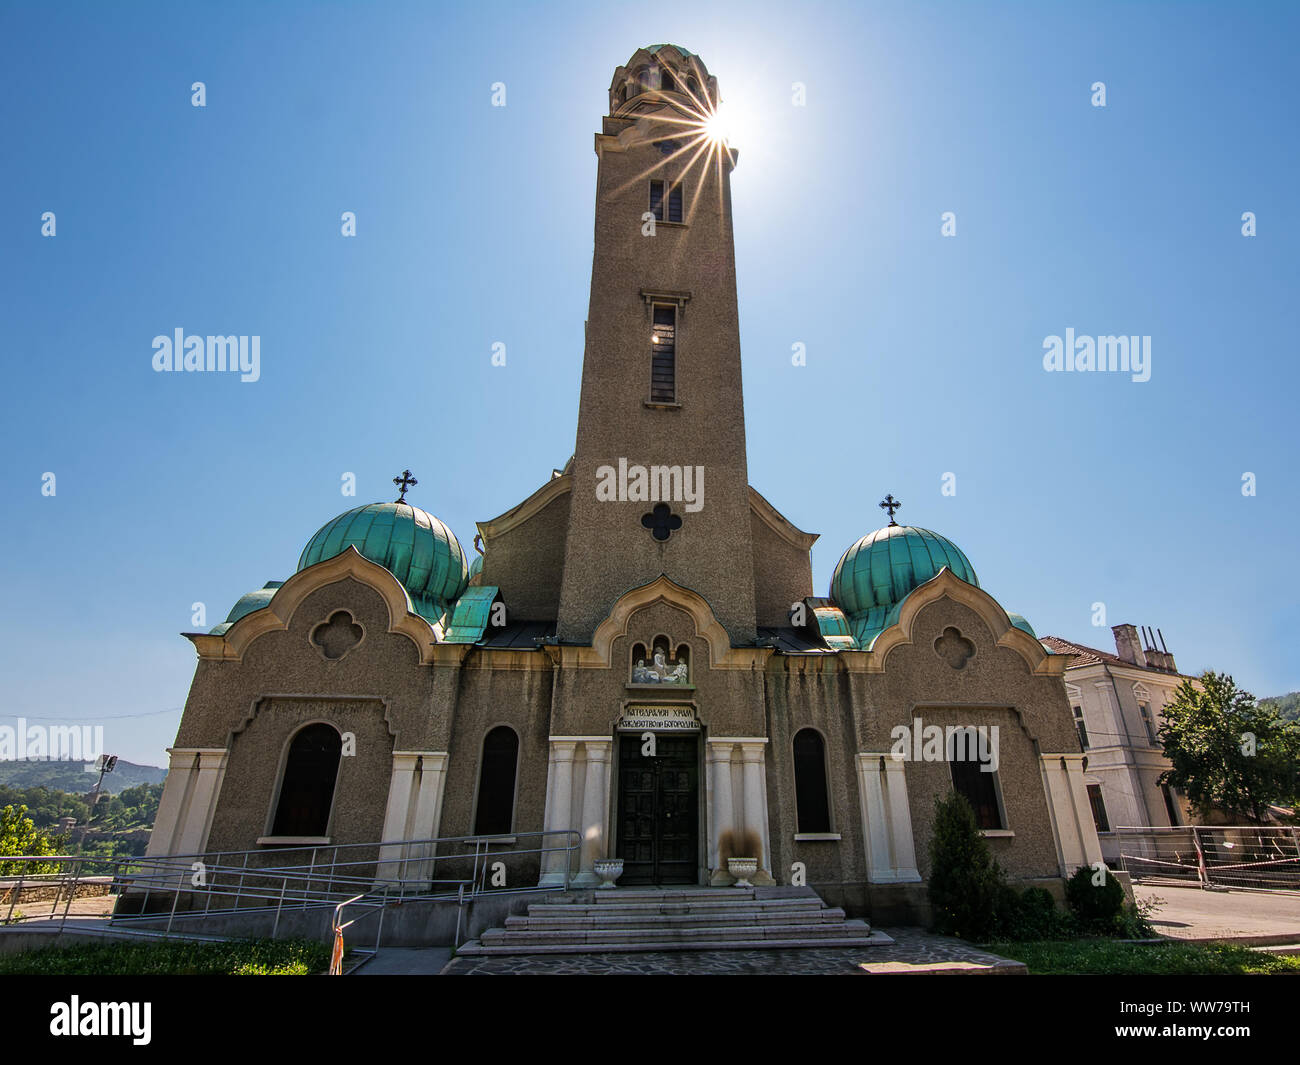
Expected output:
(742, 869)
(609, 870)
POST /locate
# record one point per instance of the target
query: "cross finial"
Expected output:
(890, 504)
(404, 482)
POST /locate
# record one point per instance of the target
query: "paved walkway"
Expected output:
(407, 961)
(1194, 914)
(913, 952)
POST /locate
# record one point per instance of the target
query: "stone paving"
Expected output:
(913, 952)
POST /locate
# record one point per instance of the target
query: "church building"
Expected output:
(636, 650)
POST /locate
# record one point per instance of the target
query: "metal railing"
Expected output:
(371, 875)
(1213, 856)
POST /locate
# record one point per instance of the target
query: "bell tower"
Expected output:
(660, 484)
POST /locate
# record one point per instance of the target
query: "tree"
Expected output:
(967, 887)
(1228, 752)
(19, 835)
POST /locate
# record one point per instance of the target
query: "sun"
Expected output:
(720, 125)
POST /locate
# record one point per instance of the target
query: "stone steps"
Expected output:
(669, 919)
(737, 906)
(673, 920)
(597, 938)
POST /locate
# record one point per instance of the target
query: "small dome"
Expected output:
(1021, 622)
(247, 603)
(655, 49)
(476, 567)
(413, 545)
(882, 568)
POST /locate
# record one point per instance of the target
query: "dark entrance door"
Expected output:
(659, 811)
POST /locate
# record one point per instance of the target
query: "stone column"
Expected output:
(397, 815)
(171, 807)
(902, 843)
(1071, 813)
(595, 807)
(205, 786)
(559, 809)
(719, 784)
(755, 790)
(886, 819)
(414, 811)
(428, 799)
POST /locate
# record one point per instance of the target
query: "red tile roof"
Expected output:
(1086, 655)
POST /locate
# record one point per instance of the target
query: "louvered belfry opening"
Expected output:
(672, 211)
(663, 369)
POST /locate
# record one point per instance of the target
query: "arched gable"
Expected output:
(278, 613)
(946, 585)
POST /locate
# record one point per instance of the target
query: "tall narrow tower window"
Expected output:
(663, 356)
(670, 211)
(496, 783)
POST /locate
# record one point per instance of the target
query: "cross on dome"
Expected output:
(404, 482)
(890, 504)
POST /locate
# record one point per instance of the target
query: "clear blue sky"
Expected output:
(475, 226)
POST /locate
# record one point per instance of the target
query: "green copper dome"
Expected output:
(248, 602)
(476, 567)
(414, 546)
(654, 49)
(882, 568)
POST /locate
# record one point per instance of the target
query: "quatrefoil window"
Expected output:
(337, 636)
(954, 648)
(661, 521)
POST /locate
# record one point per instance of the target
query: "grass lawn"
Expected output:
(254, 957)
(1111, 957)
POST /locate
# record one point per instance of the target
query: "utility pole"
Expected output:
(107, 763)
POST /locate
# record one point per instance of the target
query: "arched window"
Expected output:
(496, 783)
(307, 788)
(970, 760)
(812, 803)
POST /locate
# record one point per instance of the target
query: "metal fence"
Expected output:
(367, 876)
(1224, 856)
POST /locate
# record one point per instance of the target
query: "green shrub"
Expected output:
(259, 957)
(1038, 917)
(1102, 909)
(967, 887)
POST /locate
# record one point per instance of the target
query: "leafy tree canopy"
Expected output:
(1227, 751)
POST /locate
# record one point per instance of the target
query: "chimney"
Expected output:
(1155, 660)
(1169, 658)
(1128, 646)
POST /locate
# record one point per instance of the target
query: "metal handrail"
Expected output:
(224, 876)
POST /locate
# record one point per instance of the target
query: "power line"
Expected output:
(92, 717)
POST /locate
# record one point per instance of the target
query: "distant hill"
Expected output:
(72, 777)
(1287, 706)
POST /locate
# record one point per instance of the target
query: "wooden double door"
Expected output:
(659, 810)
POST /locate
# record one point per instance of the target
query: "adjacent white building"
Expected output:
(1118, 700)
